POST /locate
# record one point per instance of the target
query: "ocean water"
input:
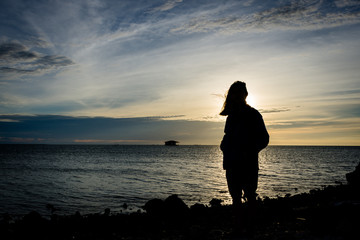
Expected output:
(90, 178)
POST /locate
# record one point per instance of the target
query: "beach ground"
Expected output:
(329, 213)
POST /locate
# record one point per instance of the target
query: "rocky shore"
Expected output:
(329, 213)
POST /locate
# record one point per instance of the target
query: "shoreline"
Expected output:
(161, 145)
(328, 213)
(126, 208)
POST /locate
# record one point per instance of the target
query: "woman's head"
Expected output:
(235, 98)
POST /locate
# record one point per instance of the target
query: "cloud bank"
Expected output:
(58, 129)
(101, 130)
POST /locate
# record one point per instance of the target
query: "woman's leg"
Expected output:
(250, 195)
(235, 189)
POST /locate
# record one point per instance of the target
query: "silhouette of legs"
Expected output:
(243, 186)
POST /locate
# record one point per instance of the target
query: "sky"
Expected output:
(143, 72)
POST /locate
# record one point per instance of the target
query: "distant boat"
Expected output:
(171, 143)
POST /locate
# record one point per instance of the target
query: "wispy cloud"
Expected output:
(275, 110)
(346, 3)
(296, 124)
(168, 5)
(21, 140)
(17, 58)
(343, 92)
(292, 15)
(8, 120)
(10, 52)
(107, 141)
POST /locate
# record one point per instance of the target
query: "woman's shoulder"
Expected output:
(250, 109)
(246, 110)
(254, 112)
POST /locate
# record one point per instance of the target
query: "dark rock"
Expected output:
(6, 218)
(172, 207)
(154, 206)
(215, 202)
(33, 226)
(175, 204)
(353, 178)
(51, 208)
(329, 213)
(198, 207)
(77, 215)
(32, 217)
(107, 212)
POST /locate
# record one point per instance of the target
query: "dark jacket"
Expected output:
(245, 136)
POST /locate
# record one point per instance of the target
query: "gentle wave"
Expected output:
(89, 178)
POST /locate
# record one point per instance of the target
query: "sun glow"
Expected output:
(251, 100)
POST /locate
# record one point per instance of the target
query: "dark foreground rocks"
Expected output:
(329, 213)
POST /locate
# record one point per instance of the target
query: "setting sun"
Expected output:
(166, 66)
(251, 100)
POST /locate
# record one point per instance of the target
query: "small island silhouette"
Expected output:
(171, 143)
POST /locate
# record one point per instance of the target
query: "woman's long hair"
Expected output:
(235, 98)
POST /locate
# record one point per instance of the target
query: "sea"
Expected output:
(91, 178)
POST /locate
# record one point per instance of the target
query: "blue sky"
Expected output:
(143, 72)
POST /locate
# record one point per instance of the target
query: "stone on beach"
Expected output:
(329, 213)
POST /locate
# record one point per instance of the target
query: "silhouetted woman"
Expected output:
(245, 136)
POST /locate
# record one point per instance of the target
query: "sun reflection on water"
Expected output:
(89, 178)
